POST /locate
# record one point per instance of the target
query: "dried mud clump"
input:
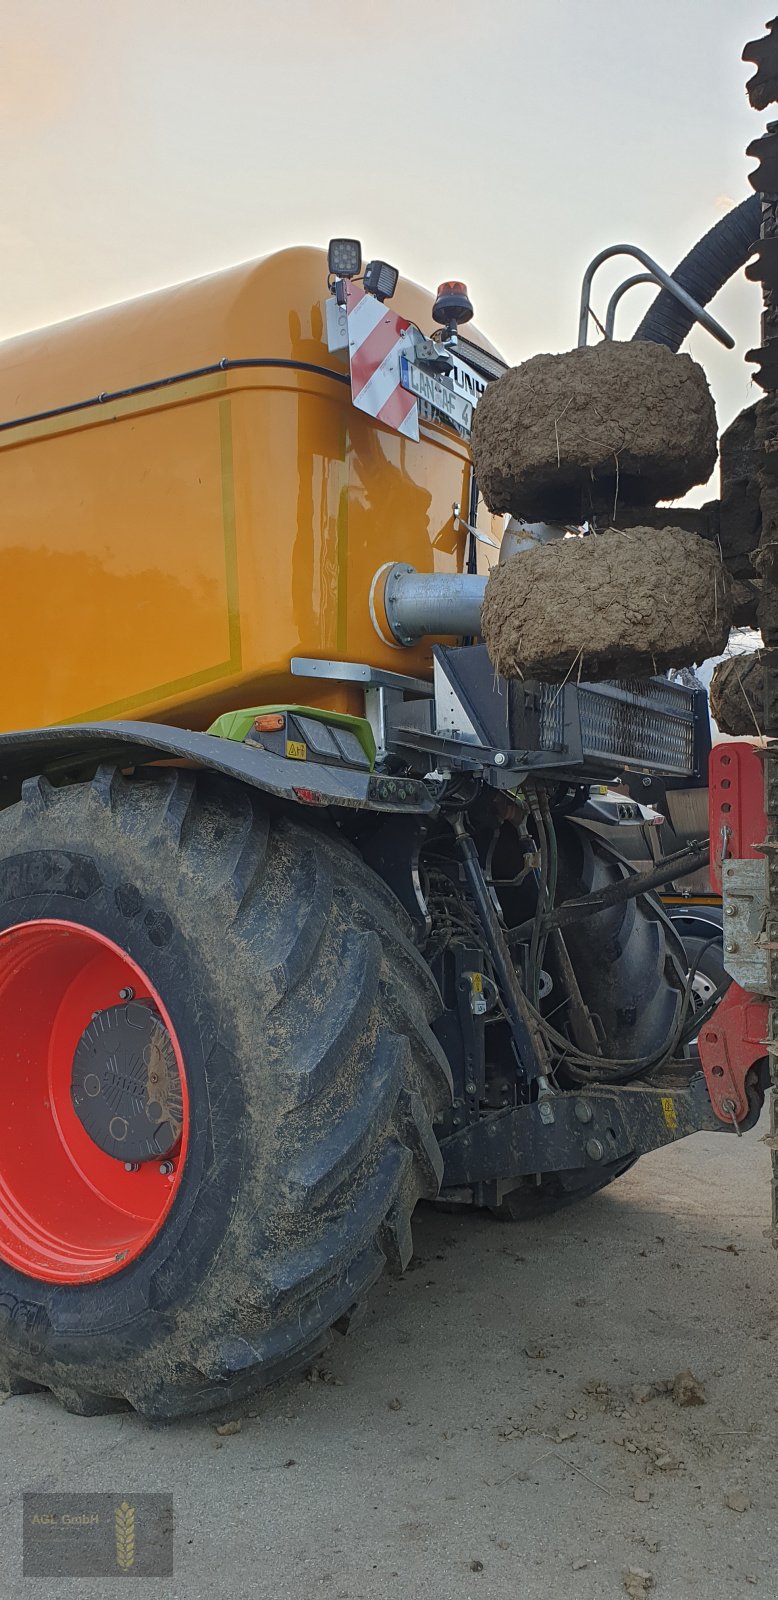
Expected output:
(741, 455)
(746, 601)
(610, 605)
(629, 419)
(736, 694)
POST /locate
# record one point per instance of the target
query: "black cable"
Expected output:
(225, 365)
(627, 1069)
(631, 887)
(542, 882)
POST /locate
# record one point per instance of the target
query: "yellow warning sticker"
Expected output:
(669, 1112)
(477, 983)
(296, 750)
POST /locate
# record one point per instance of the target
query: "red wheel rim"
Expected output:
(70, 1212)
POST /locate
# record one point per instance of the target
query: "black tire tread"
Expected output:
(629, 963)
(344, 1004)
(628, 959)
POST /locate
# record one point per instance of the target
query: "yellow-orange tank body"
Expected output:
(165, 553)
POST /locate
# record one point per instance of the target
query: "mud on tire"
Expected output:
(303, 1012)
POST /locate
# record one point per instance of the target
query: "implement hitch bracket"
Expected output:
(731, 1043)
(593, 1129)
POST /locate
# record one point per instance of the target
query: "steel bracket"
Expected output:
(594, 1130)
(744, 904)
(730, 1044)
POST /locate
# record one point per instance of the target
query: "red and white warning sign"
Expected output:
(377, 338)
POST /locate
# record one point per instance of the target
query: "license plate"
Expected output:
(467, 383)
(454, 407)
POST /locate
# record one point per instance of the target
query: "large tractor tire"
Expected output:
(218, 1089)
(630, 964)
(629, 960)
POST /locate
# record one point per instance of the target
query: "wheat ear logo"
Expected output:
(124, 1528)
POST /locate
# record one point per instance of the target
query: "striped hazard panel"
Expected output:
(377, 338)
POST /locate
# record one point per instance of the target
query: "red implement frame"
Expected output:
(735, 1038)
(730, 1044)
(736, 814)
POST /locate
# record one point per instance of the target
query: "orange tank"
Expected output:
(165, 552)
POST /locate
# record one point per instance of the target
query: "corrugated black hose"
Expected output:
(710, 263)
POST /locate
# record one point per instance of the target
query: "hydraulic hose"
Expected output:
(710, 263)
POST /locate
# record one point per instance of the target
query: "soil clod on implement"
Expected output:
(632, 421)
(611, 605)
(737, 695)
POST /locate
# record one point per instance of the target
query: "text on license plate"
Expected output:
(437, 394)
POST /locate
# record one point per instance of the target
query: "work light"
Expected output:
(344, 257)
(380, 279)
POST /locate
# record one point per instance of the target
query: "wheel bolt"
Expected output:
(165, 1167)
(132, 1166)
(126, 994)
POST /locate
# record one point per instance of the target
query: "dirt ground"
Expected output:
(492, 1429)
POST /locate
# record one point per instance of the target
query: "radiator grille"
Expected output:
(638, 724)
(550, 704)
(591, 730)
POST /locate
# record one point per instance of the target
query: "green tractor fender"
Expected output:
(70, 751)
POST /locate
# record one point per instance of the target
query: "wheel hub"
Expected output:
(703, 989)
(94, 1104)
(125, 1086)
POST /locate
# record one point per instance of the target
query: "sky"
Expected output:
(503, 142)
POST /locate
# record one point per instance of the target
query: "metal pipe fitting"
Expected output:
(629, 283)
(415, 604)
(520, 536)
(697, 311)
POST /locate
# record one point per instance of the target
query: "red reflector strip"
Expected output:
(377, 339)
(372, 352)
(310, 797)
(395, 410)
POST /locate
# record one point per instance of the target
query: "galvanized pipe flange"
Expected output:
(416, 605)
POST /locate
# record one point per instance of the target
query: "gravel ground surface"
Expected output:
(500, 1425)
